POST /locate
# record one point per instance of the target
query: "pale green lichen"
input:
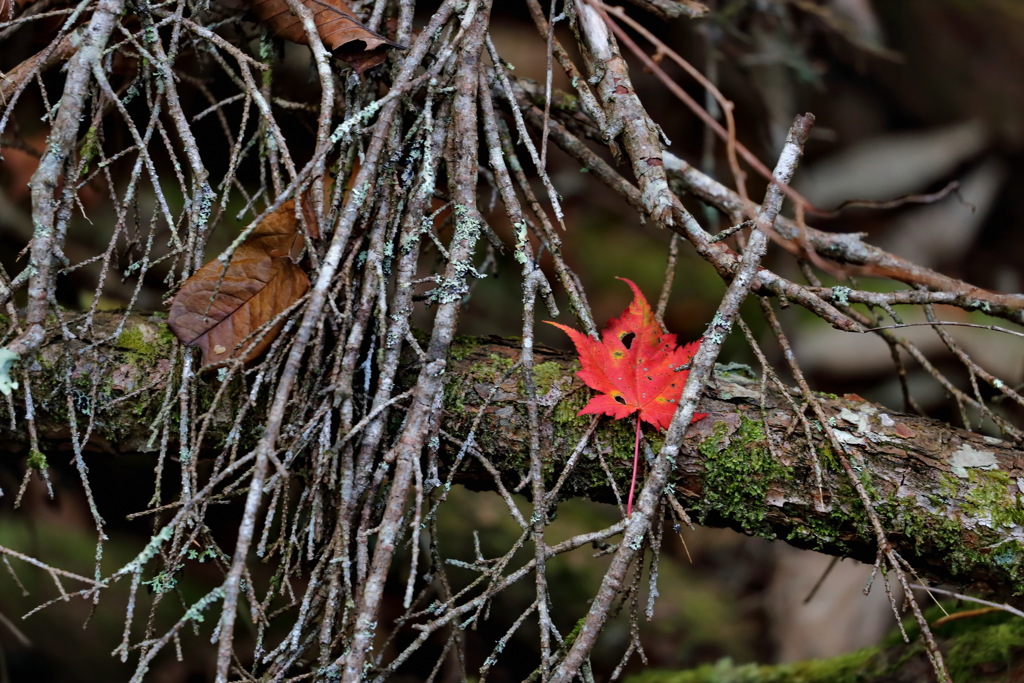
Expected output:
(7, 360)
(522, 242)
(149, 552)
(740, 369)
(162, 583)
(841, 295)
(968, 457)
(195, 612)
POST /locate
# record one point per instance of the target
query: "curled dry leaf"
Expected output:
(260, 281)
(337, 25)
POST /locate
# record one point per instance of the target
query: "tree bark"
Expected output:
(950, 499)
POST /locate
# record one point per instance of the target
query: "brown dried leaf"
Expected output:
(338, 27)
(261, 281)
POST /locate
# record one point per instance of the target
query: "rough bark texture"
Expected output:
(950, 499)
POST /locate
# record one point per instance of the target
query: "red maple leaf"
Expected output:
(637, 367)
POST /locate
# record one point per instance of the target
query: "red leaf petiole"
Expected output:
(636, 463)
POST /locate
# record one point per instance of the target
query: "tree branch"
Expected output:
(950, 499)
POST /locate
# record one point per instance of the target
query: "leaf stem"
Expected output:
(636, 463)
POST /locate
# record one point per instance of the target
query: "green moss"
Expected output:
(493, 371)
(738, 473)
(827, 458)
(980, 648)
(988, 496)
(949, 485)
(622, 435)
(939, 536)
(567, 102)
(163, 332)
(146, 340)
(90, 145)
(849, 668)
(846, 514)
(37, 460)
(453, 395)
(545, 375)
(864, 474)
(463, 346)
(977, 648)
(566, 412)
(567, 422)
(997, 644)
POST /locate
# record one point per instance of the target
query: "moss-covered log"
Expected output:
(986, 647)
(950, 499)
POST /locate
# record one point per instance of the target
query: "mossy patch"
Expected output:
(848, 668)
(567, 103)
(147, 339)
(463, 346)
(828, 459)
(988, 497)
(37, 460)
(982, 647)
(938, 536)
(739, 471)
(566, 413)
(493, 371)
(985, 648)
(545, 375)
(845, 517)
(949, 485)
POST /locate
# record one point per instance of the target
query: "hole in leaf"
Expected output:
(627, 339)
(619, 399)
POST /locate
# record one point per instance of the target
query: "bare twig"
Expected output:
(700, 372)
